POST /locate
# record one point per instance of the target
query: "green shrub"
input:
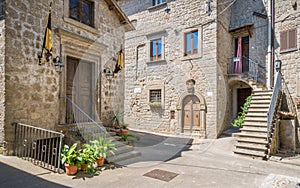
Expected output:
(241, 117)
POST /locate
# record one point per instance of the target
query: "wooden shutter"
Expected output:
(283, 40)
(292, 38)
(288, 40)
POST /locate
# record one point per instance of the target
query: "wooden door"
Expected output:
(80, 86)
(191, 113)
(245, 53)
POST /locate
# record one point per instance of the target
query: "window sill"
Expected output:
(157, 61)
(288, 50)
(189, 57)
(157, 6)
(85, 27)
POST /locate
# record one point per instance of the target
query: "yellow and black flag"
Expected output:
(47, 44)
(119, 64)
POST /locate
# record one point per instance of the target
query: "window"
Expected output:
(157, 2)
(82, 11)
(191, 43)
(155, 50)
(288, 40)
(155, 95)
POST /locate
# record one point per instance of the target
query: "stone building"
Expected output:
(87, 36)
(190, 64)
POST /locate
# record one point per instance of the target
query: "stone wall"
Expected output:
(224, 52)
(287, 16)
(2, 83)
(244, 13)
(171, 74)
(32, 91)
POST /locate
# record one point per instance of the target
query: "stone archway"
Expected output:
(192, 112)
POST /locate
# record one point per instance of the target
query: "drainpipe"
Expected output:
(270, 44)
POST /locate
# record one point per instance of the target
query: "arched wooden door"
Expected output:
(191, 114)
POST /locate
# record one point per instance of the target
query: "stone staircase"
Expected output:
(74, 134)
(252, 140)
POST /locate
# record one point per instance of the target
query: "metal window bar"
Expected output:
(40, 146)
(86, 127)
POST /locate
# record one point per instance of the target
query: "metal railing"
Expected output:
(86, 127)
(250, 68)
(274, 102)
(40, 146)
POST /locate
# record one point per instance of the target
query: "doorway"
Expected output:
(80, 88)
(191, 114)
(245, 53)
(242, 94)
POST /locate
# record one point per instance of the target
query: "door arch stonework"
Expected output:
(197, 112)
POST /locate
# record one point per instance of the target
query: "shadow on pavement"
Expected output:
(158, 148)
(12, 177)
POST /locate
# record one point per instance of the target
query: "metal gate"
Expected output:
(40, 146)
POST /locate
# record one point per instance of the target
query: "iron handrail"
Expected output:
(273, 105)
(87, 126)
(38, 145)
(253, 68)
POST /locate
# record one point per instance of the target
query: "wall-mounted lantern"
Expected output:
(278, 65)
(57, 63)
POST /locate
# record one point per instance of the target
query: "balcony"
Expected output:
(250, 69)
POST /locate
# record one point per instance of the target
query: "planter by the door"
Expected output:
(71, 169)
(100, 161)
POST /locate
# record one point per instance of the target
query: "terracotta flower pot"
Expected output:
(83, 167)
(71, 169)
(100, 161)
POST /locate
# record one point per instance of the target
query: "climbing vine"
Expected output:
(238, 122)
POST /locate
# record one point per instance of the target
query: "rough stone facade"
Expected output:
(207, 68)
(32, 92)
(2, 76)
(210, 69)
(287, 17)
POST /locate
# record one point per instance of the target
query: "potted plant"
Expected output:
(102, 148)
(70, 119)
(86, 157)
(69, 157)
(129, 138)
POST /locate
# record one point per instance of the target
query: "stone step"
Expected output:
(255, 124)
(253, 114)
(265, 102)
(262, 92)
(121, 149)
(256, 119)
(254, 129)
(251, 146)
(253, 140)
(258, 110)
(263, 106)
(261, 97)
(250, 153)
(252, 135)
(123, 156)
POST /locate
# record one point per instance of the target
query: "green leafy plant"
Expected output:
(86, 155)
(129, 138)
(69, 155)
(241, 117)
(116, 119)
(102, 147)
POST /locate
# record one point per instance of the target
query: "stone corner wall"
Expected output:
(2, 85)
